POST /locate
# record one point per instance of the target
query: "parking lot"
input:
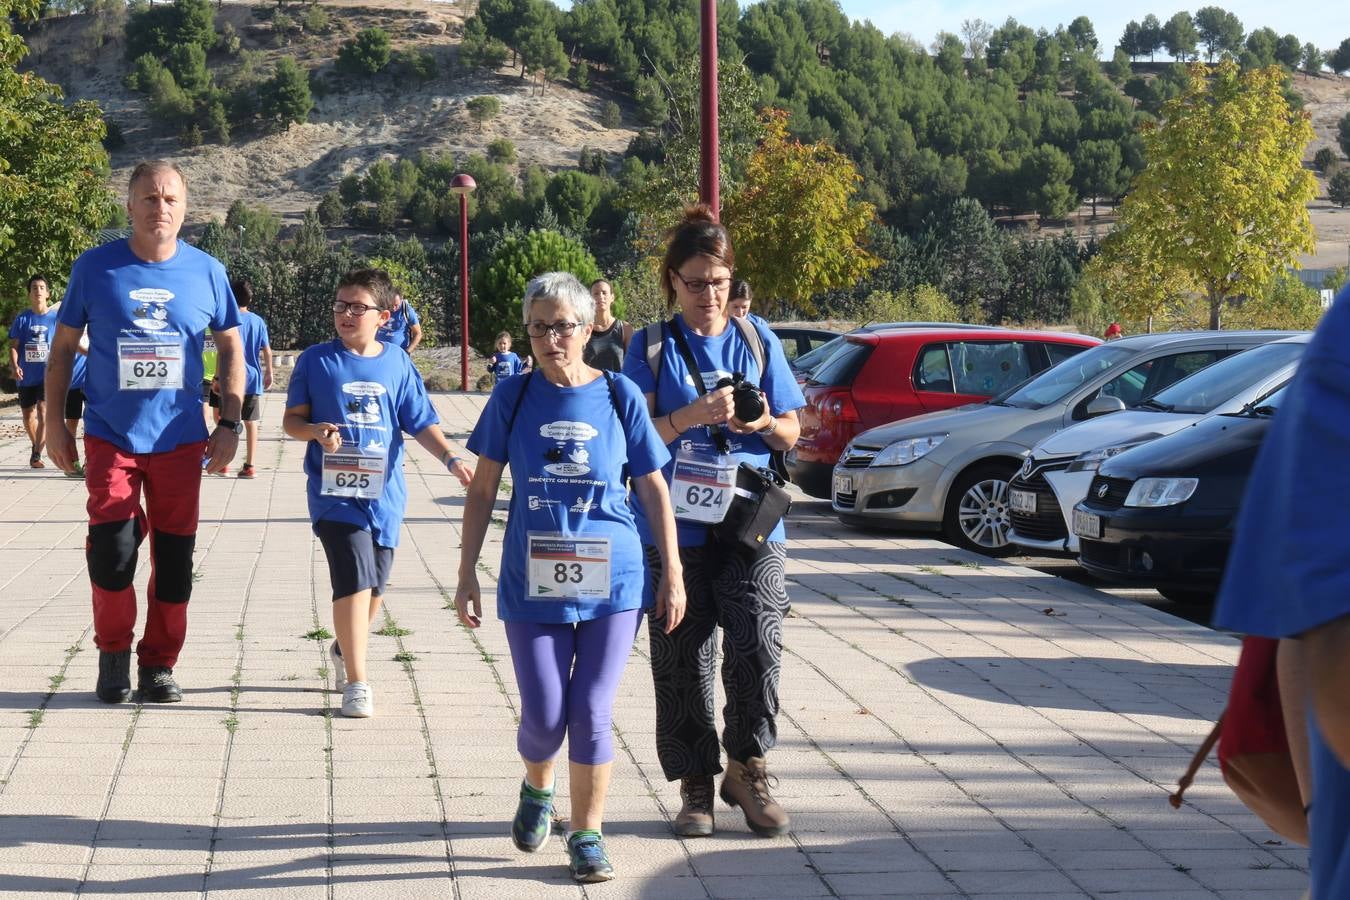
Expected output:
(951, 726)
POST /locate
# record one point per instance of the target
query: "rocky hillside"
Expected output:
(354, 123)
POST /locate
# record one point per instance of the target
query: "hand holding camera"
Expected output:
(748, 403)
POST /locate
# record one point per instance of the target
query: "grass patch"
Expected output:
(404, 656)
(55, 682)
(392, 629)
(318, 634)
(290, 677)
(930, 570)
(35, 717)
(231, 723)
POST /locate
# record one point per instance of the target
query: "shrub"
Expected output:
(365, 54)
(581, 76)
(483, 109)
(610, 115)
(1338, 190)
(502, 151)
(316, 20)
(1324, 159)
(499, 281)
(923, 303)
(331, 209)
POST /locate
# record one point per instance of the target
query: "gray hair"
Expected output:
(154, 167)
(561, 287)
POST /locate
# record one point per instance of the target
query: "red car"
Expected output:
(882, 376)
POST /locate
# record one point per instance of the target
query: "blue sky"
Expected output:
(1325, 24)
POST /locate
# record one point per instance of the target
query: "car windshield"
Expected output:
(812, 358)
(1225, 379)
(1059, 381)
(841, 368)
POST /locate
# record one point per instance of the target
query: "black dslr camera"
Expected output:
(748, 399)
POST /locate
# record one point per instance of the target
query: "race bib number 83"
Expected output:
(568, 568)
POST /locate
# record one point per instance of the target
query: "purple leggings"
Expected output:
(568, 675)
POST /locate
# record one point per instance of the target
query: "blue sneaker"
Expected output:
(534, 818)
(587, 857)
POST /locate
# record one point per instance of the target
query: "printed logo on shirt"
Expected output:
(540, 502)
(583, 506)
(360, 400)
(571, 440)
(710, 379)
(151, 312)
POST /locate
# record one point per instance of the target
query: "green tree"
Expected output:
(1150, 36)
(964, 249)
(1096, 171)
(825, 248)
(1219, 30)
(1343, 134)
(922, 303)
(1286, 303)
(502, 151)
(1180, 37)
(365, 54)
(259, 223)
(652, 108)
(1313, 59)
(581, 76)
(499, 280)
(331, 210)
(1338, 60)
(285, 97)
(1338, 188)
(1324, 160)
(1044, 179)
(1082, 35)
(573, 196)
(483, 109)
(1223, 200)
(53, 169)
(479, 49)
(1288, 51)
(610, 115)
(187, 62)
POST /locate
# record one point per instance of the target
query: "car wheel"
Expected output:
(1187, 596)
(976, 517)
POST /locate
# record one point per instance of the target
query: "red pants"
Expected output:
(117, 525)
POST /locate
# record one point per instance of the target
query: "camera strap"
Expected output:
(719, 436)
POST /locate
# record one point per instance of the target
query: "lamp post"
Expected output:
(463, 185)
(709, 191)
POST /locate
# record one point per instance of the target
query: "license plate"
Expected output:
(843, 484)
(1087, 525)
(1022, 501)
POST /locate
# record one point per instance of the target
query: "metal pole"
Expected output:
(708, 189)
(464, 292)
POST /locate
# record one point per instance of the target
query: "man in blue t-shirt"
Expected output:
(30, 341)
(351, 400)
(257, 368)
(147, 302)
(404, 328)
(1287, 578)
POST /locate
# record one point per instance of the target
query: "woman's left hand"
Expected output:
(736, 426)
(670, 601)
(461, 470)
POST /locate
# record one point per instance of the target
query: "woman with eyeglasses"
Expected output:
(351, 400)
(679, 366)
(573, 582)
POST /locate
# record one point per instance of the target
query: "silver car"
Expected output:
(1056, 475)
(950, 469)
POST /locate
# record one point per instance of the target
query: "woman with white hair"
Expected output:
(573, 583)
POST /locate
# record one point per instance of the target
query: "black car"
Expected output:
(1162, 514)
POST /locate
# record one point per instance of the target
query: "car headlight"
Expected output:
(902, 453)
(1161, 491)
(1092, 460)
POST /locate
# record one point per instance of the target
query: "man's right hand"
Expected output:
(18, 372)
(60, 444)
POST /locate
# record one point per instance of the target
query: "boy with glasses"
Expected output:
(351, 400)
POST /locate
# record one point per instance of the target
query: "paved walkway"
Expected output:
(951, 727)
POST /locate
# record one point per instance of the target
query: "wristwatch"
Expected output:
(231, 425)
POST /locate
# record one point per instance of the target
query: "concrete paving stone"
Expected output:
(190, 853)
(905, 884)
(513, 886)
(1251, 877)
(710, 859)
(287, 880)
(1162, 880)
(149, 881)
(1006, 883)
(164, 785)
(39, 879)
(736, 886)
(115, 829)
(990, 861)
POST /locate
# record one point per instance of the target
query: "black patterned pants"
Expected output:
(744, 593)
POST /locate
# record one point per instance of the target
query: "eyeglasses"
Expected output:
(698, 285)
(541, 329)
(356, 309)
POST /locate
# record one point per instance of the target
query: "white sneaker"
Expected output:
(357, 702)
(338, 666)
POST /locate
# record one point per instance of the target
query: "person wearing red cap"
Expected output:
(1113, 331)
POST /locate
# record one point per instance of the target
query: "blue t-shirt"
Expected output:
(146, 323)
(717, 358)
(395, 331)
(32, 335)
(504, 365)
(1286, 571)
(78, 370)
(253, 335)
(372, 400)
(568, 453)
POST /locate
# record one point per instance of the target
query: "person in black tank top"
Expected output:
(610, 336)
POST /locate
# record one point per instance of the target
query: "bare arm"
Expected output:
(433, 441)
(415, 333)
(60, 364)
(267, 367)
(223, 443)
(14, 361)
(1327, 652)
(1290, 661)
(481, 496)
(670, 599)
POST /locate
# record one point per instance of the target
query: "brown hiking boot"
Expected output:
(747, 786)
(696, 815)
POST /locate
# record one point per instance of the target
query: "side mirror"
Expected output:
(1102, 405)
